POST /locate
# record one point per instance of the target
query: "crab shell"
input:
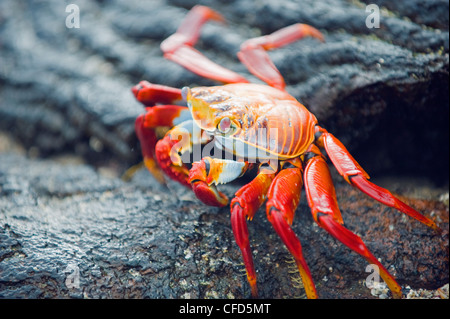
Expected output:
(252, 120)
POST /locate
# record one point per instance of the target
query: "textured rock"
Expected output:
(68, 89)
(65, 94)
(68, 231)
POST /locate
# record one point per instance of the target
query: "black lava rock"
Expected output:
(67, 230)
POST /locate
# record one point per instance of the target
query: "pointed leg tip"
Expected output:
(437, 229)
(397, 295)
(406, 209)
(254, 288)
(156, 172)
(385, 197)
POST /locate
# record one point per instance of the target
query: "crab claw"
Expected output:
(209, 194)
(206, 174)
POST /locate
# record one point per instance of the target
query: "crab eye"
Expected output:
(224, 125)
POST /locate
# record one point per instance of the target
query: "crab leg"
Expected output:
(164, 152)
(354, 174)
(253, 51)
(156, 116)
(179, 47)
(180, 140)
(207, 173)
(144, 127)
(244, 205)
(283, 198)
(321, 198)
(151, 94)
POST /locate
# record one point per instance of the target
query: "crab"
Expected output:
(252, 127)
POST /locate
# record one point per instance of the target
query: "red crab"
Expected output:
(261, 127)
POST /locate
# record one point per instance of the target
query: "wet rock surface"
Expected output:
(70, 227)
(68, 231)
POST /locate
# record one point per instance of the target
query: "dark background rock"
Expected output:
(66, 92)
(382, 91)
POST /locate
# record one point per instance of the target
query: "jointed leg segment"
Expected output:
(179, 48)
(151, 94)
(205, 174)
(156, 116)
(354, 174)
(283, 199)
(321, 198)
(244, 205)
(254, 56)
